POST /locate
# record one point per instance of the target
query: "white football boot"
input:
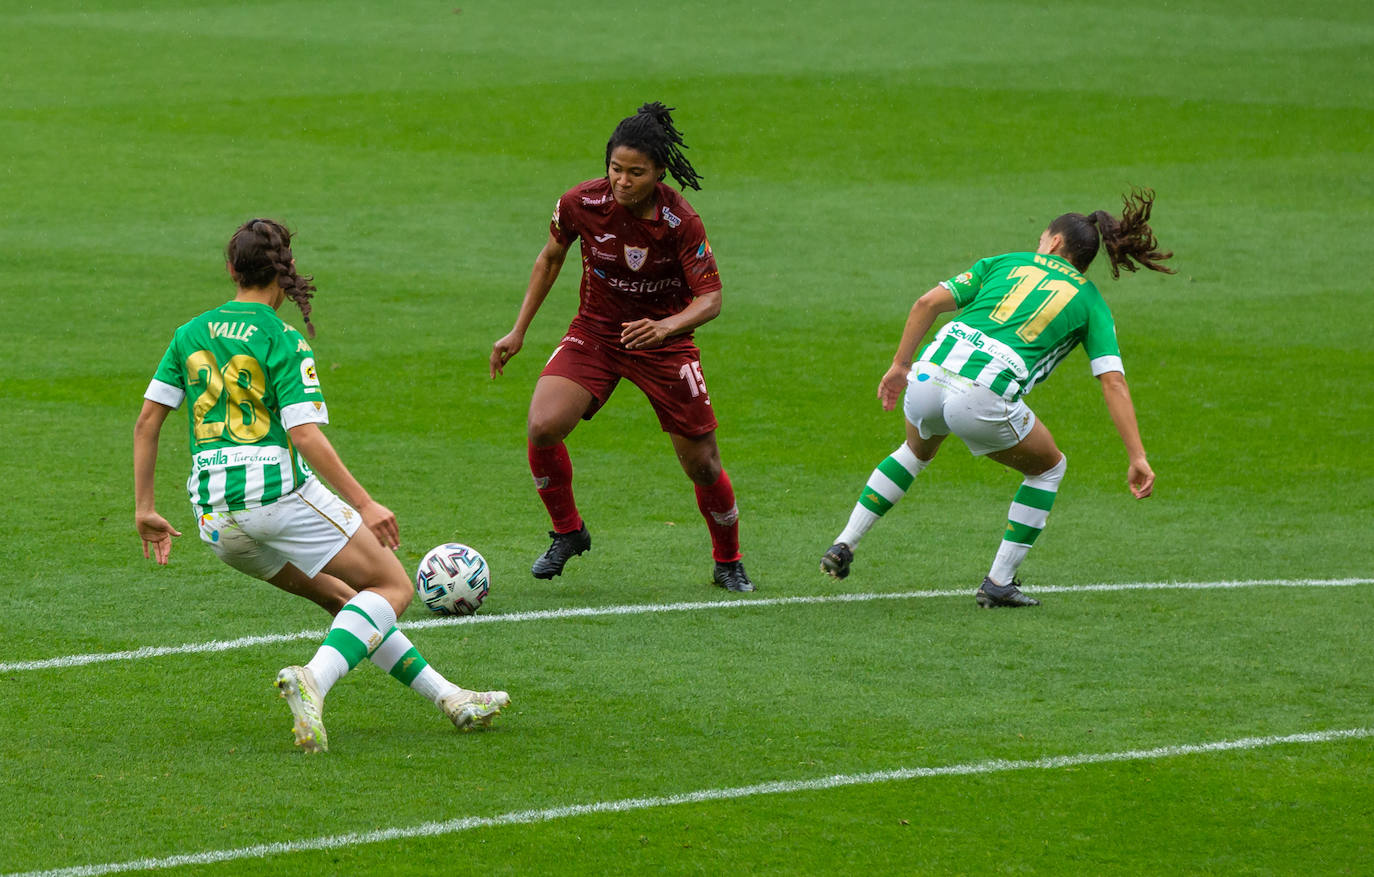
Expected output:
(297, 685)
(467, 708)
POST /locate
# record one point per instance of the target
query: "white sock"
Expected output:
(357, 631)
(399, 657)
(1030, 509)
(886, 486)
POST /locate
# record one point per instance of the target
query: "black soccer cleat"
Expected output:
(565, 545)
(836, 561)
(732, 577)
(992, 595)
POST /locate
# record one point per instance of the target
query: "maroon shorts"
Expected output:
(670, 376)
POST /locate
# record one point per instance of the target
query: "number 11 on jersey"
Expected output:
(1028, 280)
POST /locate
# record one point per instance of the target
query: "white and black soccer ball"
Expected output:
(453, 579)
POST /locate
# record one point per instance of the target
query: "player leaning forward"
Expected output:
(1019, 315)
(648, 280)
(256, 442)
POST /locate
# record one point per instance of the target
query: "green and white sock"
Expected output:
(399, 657)
(1030, 508)
(357, 631)
(885, 487)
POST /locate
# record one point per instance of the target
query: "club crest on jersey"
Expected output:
(635, 256)
(672, 220)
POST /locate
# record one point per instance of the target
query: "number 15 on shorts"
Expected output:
(691, 373)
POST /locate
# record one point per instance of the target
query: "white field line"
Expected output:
(626, 805)
(644, 609)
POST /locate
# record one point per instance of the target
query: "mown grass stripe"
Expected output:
(647, 609)
(627, 805)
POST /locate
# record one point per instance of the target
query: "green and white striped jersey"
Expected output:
(252, 378)
(1020, 315)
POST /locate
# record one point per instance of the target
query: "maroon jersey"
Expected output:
(633, 268)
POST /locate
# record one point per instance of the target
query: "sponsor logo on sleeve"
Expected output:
(964, 279)
(704, 250)
(308, 376)
(556, 223)
(635, 256)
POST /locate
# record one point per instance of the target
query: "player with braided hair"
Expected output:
(256, 445)
(649, 279)
(1020, 314)
(259, 255)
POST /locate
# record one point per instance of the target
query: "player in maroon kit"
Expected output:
(648, 280)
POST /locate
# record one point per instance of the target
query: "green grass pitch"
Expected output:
(853, 154)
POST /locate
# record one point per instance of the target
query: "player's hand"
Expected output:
(643, 334)
(893, 385)
(503, 350)
(1141, 478)
(380, 520)
(156, 533)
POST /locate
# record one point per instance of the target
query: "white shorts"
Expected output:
(940, 402)
(305, 528)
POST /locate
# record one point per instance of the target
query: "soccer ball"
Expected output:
(453, 579)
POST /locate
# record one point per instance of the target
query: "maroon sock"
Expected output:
(552, 471)
(717, 504)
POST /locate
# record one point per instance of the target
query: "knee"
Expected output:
(543, 431)
(702, 466)
(397, 593)
(705, 473)
(1050, 478)
(333, 603)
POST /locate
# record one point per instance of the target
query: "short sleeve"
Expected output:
(698, 262)
(168, 386)
(1099, 341)
(562, 226)
(295, 382)
(965, 286)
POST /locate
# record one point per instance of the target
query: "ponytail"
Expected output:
(260, 254)
(1129, 241)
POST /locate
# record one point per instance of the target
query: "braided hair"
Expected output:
(260, 254)
(650, 130)
(1130, 241)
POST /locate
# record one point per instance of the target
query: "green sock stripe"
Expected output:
(346, 644)
(1035, 497)
(874, 501)
(349, 607)
(408, 667)
(897, 473)
(1020, 533)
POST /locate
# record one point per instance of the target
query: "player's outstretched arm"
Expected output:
(1139, 476)
(155, 531)
(546, 267)
(310, 440)
(936, 301)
